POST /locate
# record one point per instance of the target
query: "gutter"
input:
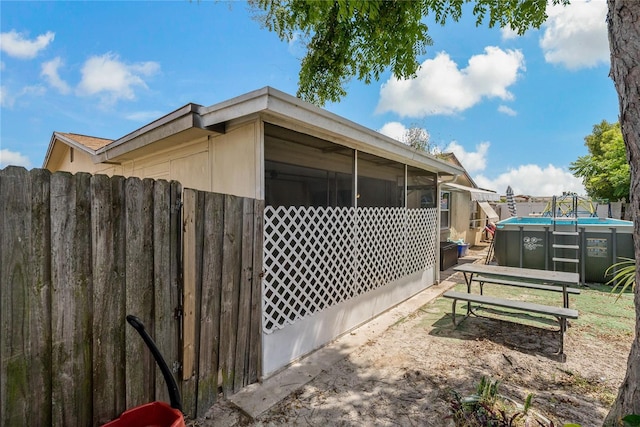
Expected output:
(183, 118)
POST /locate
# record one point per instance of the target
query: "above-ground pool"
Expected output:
(528, 242)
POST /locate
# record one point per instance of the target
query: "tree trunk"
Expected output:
(623, 21)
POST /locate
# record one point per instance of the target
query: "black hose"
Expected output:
(174, 393)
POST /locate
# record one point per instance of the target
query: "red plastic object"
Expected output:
(154, 414)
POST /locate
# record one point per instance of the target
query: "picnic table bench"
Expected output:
(553, 281)
(529, 285)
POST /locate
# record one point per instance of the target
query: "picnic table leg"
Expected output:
(468, 278)
(563, 328)
(453, 311)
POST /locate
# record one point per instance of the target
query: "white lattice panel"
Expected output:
(317, 257)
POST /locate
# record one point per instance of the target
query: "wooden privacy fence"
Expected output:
(79, 252)
(222, 296)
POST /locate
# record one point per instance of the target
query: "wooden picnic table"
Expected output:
(523, 277)
(556, 278)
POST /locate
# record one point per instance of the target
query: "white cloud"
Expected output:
(441, 88)
(5, 99)
(112, 79)
(17, 46)
(575, 36)
(395, 130)
(14, 158)
(50, 73)
(472, 161)
(508, 34)
(8, 99)
(508, 111)
(532, 180)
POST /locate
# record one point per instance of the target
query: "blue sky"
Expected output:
(515, 110)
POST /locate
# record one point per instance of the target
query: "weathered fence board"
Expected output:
(140, 366)
(72, 302)
(230, 289)
(244, 297)
(108, 233)
(255, 333)
(80, 252)
(38, 336)
(166, 229)
(210, 301)
(189, 385)
(25, 315)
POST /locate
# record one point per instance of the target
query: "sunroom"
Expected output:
(348, 234)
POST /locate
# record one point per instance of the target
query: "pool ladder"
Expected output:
(573, 236)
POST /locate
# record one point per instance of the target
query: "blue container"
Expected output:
(462, 249)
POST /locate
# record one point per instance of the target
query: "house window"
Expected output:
(445, 209)
(475, 217)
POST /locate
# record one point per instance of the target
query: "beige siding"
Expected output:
(231, 163)
(236, 161)
(192, 171)
(61, 159)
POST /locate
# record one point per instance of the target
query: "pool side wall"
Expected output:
(527, 243)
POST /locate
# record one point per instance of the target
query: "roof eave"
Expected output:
(183, 118)
(289, 107)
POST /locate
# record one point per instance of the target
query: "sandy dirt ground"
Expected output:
(405, 376)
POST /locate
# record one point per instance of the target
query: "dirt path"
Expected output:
(405, 376)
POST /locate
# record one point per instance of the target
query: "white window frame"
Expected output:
(445, 212)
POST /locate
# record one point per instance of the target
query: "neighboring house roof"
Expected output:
(194, 120)
(477, 194)
(89, 144)
(451, 158)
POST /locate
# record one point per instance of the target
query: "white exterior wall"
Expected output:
(328, 270)
(285, 346)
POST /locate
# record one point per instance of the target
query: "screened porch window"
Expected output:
(302, 170)
(421, 188)
(291, 185)
(445, 209)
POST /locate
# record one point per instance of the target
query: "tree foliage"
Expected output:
(362, 38)
(418, 138)
(605, 170)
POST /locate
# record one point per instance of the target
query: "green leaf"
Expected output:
(631, 420)
(624, 275)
